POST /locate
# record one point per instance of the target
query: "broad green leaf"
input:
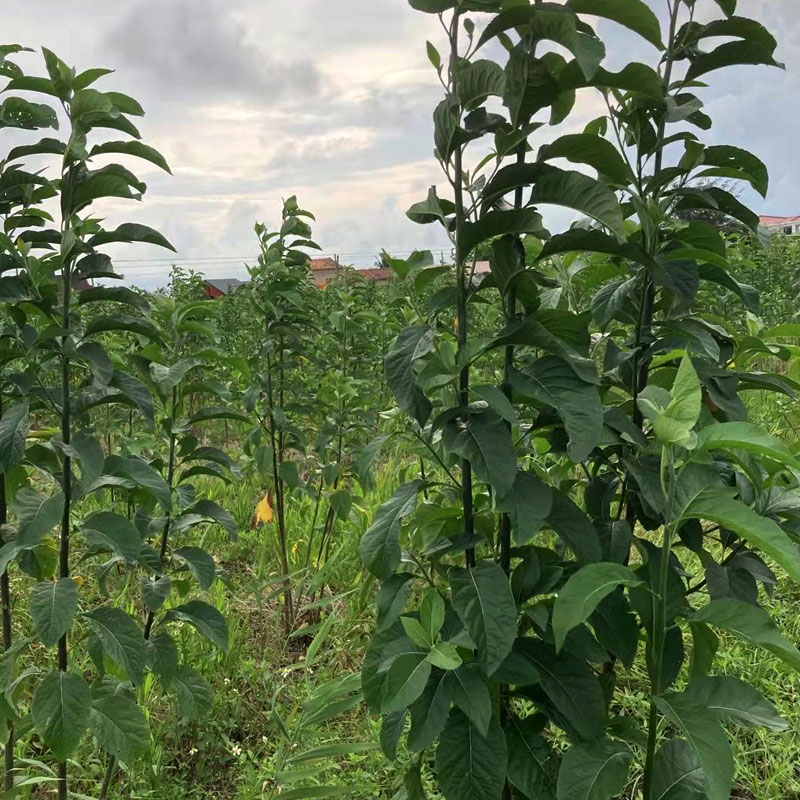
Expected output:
(748, 437)
(471, 695)
(553, 186)
(750, 624)
(501, 222)
(731, 54)
(586, 148)
(60, 712)
(13, 430)
(406, 681)
(582, 594)
(482, 598)
(429, 712)
(141, 474)
(760, 532)
(132, 148)
(551, 381)
(122, 639)
(594, 771)
(119, 725)
(401, 364)
(570, 685)
(677, 772)
(127, 233)
(485, 441)
(574, 528)
(162, 656)
(686, 400)
(193, 695)
(204, 618)
(735, 701)
(445, 656)
(707, 738)
(115, 532)
(37, 515)
(53, 606)
(528, 753)
(155, 592)
(431, 613)
(529, 504)
(380, 544)
(633, 14)
(469, 765)
(200, 563)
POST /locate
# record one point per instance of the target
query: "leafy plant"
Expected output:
(485, 660)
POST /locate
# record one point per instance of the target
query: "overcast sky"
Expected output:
(254, 100)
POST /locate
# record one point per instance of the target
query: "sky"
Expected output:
(252, 101)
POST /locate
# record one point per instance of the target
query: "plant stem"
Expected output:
(660, 620)
(109, 774)
(461, 293)
(5, 601)
(66, 476)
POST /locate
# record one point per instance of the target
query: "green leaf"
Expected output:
(217, 412)
(205, 619)
(200, 563)
(401, 365)
(37, 515)
(499, 223)
(725, 161)
(429, 712)
(445, 656)
(127, 233)
(593, 771)
(470, 693)
(552, 381)
(582, 594)
(574, 528)
(529, 503)
(142, 474)
(633, 14)
(406, 681)
(115, 532)
(132, 148)
(380, 544)
(735, 701)
(114, 294)
(748, 437)
(53, 606)
(707, 738)
(192, 693)
(119, 725)
(674, 425)
(750, 624)
(485, 442)
(528, 753)
(60, 712)
(469, 765)
(122, 322)
(677, 772)
(162, 656)
(155, 592)
(553, 186)
(482, 598)
(431, 614)
(761, 532)
(121, 638)
(586, 148)
(731, 54)
(13, 431)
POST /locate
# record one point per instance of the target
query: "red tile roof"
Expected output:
(323, 263)
(767, 220)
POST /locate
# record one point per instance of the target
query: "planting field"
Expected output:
(516, 521)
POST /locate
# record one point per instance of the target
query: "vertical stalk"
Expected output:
(66, 476)
(5, 601)
(660, 621)
(461, 293)
(173, 440)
